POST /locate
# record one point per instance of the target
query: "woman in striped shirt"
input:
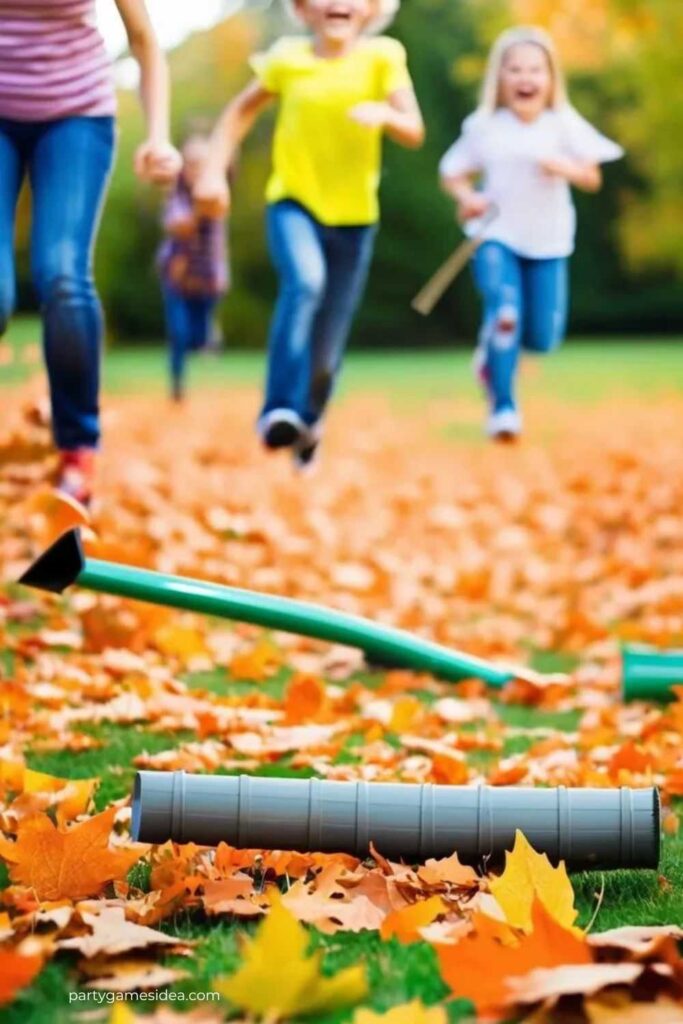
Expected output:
(57, 126)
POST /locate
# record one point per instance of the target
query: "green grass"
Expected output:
(583, 370)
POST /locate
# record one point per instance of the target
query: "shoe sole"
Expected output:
(280, 434)
(505, 437)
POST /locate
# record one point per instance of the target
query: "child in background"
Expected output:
(193, 265)
(57, 128)
(529, 145)
(340, 90)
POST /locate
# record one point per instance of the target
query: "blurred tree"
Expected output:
(651, 128)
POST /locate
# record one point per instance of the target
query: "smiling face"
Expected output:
(526, 83)
(337, 21)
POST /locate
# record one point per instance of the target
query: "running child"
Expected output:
(529, 145)
(193, 266)
(340, 89)
(57, 127)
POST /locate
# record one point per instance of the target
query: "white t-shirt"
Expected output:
(537, 217)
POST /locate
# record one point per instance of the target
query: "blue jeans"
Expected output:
(189, 324)
(323, 272)
(525, 307)
(68, 163)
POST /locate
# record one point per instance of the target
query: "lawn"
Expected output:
(611, 400)
(584, 370)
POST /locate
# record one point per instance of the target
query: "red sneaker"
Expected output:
(76, 475)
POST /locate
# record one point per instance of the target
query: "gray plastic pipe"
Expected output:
(587, 828)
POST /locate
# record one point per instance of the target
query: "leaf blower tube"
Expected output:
(587, 828)
(65, 563)
(651, 674)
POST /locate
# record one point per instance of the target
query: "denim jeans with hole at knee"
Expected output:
(322, 272)
(68, 163)
(525, 307)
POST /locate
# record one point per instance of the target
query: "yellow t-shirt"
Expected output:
(321, 157)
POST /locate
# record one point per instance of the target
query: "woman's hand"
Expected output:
(211, 195)
(158, 162)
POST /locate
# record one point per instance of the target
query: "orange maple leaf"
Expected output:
(405, 923)
(16, 972)
(305, 699)
(478, 967)
(70, 863)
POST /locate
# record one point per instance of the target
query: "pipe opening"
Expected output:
(137, 809)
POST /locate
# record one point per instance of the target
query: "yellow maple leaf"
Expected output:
(529, 875)
(74, 794)
(277, 978)
(414, 1012)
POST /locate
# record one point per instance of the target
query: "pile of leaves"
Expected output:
(573, 553)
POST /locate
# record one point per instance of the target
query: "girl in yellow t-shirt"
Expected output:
(340, 89)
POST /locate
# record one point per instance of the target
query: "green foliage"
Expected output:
(651, 128)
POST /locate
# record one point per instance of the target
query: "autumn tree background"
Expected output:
(622, 59)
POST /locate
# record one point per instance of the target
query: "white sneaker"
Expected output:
(504, 425)
(281, 428)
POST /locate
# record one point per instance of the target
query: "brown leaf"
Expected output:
(125, 975)
(111, 934)
(569, 979)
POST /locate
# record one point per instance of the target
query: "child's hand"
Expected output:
(371, 114)
(471, 205)
(158, 162)
(211, 195)
(556, 167)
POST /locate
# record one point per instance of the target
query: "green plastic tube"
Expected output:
(649, 673)
(65, 564)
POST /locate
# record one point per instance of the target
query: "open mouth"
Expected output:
(526, 92)
(338, 15)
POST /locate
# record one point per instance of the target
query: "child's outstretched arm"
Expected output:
(586, 176)
(212, 192)
(156, 159)
(399, 116)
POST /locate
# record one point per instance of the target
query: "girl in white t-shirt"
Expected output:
(529, 146)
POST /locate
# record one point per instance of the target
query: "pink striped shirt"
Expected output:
(53, 62)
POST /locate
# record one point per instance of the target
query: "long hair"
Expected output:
(388, 9)
(524, 35)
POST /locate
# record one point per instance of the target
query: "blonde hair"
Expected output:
(388, 9)
(523, 36)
